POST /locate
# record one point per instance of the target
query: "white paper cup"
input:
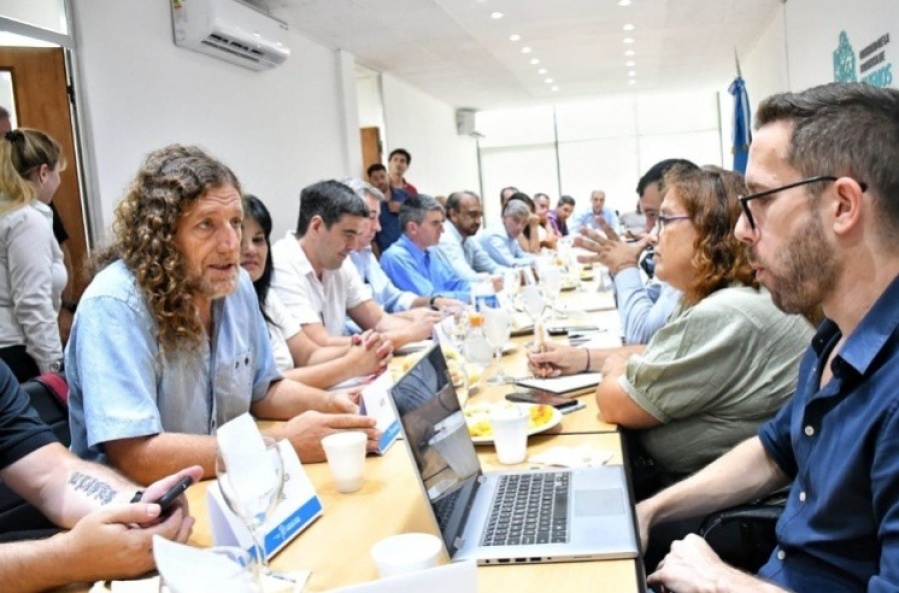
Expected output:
(346, 458)
(510, 433)
(409, 552)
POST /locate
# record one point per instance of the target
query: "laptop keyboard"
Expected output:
(445, 506)
(529, 509)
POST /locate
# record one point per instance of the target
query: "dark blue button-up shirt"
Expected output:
(840, 444)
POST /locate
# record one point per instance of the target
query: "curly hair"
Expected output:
(169, 180)
(709, 196)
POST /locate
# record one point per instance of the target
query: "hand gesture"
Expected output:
(557, 359)
(306, 431)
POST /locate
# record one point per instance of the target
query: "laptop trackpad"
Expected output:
(598, 503)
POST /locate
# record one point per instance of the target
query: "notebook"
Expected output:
(530, 516)
(560, 385)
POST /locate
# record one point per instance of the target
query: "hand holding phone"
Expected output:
(167, 501)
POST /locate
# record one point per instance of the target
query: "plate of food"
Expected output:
(477, 416)
(569, 284)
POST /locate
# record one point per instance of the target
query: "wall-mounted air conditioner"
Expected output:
(230, 30)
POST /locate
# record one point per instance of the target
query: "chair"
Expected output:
(743, 536)
(19, 519)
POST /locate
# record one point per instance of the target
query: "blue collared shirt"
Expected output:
(390, 221)
(121, 385)
(840, 445)
(424, 272)
(588, 219)
(503, 249)
(643, 308)
(466, 255)
(391, 298)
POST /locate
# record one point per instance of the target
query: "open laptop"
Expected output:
(560, 515)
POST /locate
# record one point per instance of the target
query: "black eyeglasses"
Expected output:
(744, 200)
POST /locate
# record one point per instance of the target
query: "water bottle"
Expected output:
(477, 347)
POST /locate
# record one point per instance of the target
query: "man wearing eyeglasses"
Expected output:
(643, 307)
(822, 226)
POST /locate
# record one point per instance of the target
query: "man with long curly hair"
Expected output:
(169, 342)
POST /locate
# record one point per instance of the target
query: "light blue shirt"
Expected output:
(121, 385)
(424, 272)
(466, 255)
(391, 298)
(643, 308)
(588, 219)
(503, 249)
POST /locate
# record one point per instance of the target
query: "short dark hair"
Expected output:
(415, 208)
(844, 129)
(254, 208)
(657, 172)
(454, 201)
(524, 198)
(566, 200)
(403, 152)
(330, 200)
(375, 167)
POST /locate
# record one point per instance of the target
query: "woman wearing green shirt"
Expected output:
(726, 359)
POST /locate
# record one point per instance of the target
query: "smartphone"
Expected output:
(166, 501)
(563, 404)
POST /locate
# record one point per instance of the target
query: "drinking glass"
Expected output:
(551, 283)
(253, 501)
(533, 302)
(498, 328)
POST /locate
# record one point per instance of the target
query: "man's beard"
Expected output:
(804, 271)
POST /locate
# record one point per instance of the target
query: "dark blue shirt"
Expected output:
(390, 221)
(21, 429)
(840, 444)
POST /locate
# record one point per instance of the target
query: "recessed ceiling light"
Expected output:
(514, 37)
(496, 15)
(535, 61)
(548, 81)
(632, 82)
(628, 39)
(525, 50)
(631, 73)
(624, 2)
(541, 71)
(629, 53)
(555, 88)
(630, 63)
(628, 27)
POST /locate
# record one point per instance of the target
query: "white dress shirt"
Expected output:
(32, 277)
(312, 300)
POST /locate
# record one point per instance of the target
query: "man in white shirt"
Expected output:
(315, 279)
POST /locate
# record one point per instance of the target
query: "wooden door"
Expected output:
(371, 148)
(42, 101)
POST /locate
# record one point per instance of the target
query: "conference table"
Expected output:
(336, 546)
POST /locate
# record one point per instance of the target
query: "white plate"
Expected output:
(476, 412)
(510, 347)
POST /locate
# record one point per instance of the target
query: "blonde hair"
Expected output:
(22, 152)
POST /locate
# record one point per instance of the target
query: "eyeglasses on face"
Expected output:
(744, 200)
(663, 221)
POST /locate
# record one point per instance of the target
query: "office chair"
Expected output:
(18, 519)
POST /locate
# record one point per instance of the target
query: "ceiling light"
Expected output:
(525, 50)
(541, 71)
(535, 61)
(555, 88)
(628, 27)
(628, 39)
(514, 37)
(632, 73)
(496, 15)
(629, 53)
(624, 2)
(630, 63)
(548, 81)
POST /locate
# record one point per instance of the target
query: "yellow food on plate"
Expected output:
(477, 416)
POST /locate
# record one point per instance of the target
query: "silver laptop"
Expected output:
(505, 517)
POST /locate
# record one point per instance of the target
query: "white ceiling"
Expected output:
(455, 51)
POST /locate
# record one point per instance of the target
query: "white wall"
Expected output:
(442, 161)
(278, 130)
(813, 30)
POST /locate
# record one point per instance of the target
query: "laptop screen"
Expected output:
(437, 435)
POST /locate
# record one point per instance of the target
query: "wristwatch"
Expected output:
(432, 302)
